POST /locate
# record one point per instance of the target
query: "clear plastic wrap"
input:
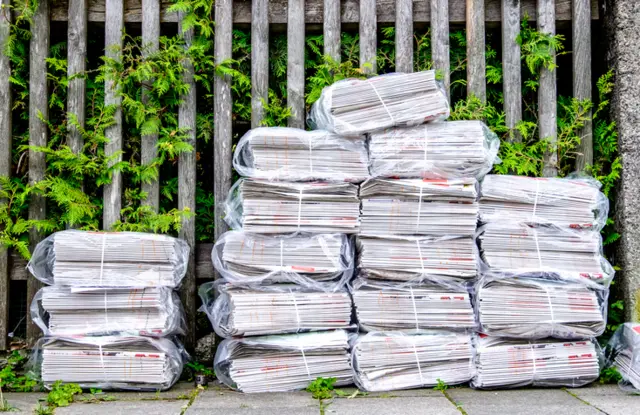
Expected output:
(414, 258)
(120, 362)
(623, 353)
(323, 262)
(78, 259)
(261, 206)
(358, 106)
(511, 248)
(535, 307)
(156, 312)
(273, 309)
(283, 363)
(568, 202)
(419, 207)
(439, 150)
(291, 154)
(412, 307)
(385, 361)
(505, 363)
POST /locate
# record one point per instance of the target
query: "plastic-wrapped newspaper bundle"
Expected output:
(575, 203)
(384, 361)
(518, 248)
(110, 259)
(283, 362)
(130, 363)
(440, 150)
(535, 308)
(60, 311)
(506, 363)
(273, 309)
(413, 306)
(291, 154)
(323, 262)
(262, 206)
(623, 353)
(357, 106)
(419, 207)
(415, 258)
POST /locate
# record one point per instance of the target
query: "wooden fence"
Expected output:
(260, 14)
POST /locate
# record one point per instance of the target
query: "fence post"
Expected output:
(331, 29)
(511, 66)
(114, 27)
(404, 36)
(368, 36)
(5, 162)
(582, 75)
(547, 106)
(38, 111)
(76, 66)
(476, 64)
(259, 60)
(150, 45)
(295, 63)
(440, 40)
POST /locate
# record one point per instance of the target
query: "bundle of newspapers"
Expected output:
(505, 363)
(323, 262)
(282, 363)
(623, 353)
(60, 311)
(384, 361)
(574, 203)
(416, 258)
(291, 154)
(385, 306)
(357, 106)
(273, 309)
(442, 150)
(110, 259)
(131, 363)
(419, 207)
(535, 308)
(262, 206)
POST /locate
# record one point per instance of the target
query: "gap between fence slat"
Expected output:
(38, 114)
(259, 60)
(404, 36)
(150, 45)
(440, 40)
(582, 76)
(511, 66)
(476, 64)
(547, 93)
(332, 29)
(295, 63)
(368, 36)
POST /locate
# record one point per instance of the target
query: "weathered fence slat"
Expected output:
(76, 66)
(5, 161)
(259, 60)
(150, 45)
(404, 35)
(440, 39)
(582, 75)
(222, 113)
(187, 192)
(547, 93)
(331, 29)
(511, 65)
(113, 49)
(295, 63)
(476, 64)
(368, 36)
(38, 114)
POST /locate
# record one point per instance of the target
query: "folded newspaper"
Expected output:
(273, 309)
(535, 308)
(323, 262)
(283, 362)
(385, 361)
(290, 154)
(358, 106)
(262, 206)
(387, 306)
(440, 150)
(575, 203)
(130, 363)
(623, 353)
(505, 363)
(416, 258)
(78, 259)
(419, 207)
(517, 248)
(60, 311)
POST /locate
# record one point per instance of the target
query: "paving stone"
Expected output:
(24, 402)
(433, 405)
(609, 399)
(145, 407)
(232, 403)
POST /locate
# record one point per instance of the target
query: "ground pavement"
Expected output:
(592, 400)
